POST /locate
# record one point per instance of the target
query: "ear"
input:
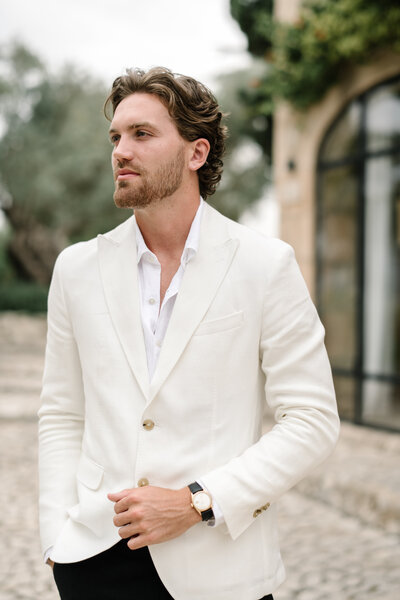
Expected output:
(199, 152)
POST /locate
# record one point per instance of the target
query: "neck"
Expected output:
(166, 225)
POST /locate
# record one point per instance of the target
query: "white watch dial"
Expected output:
(201, 501)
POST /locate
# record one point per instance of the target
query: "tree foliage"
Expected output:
(256, 21)
(56, 183)
(308, 57)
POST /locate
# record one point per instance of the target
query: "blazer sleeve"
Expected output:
(60, 416)
(298, 388)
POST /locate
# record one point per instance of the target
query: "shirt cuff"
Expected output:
(218, 516)
(47, 554)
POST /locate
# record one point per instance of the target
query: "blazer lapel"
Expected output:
(118, 269)
(202, 278)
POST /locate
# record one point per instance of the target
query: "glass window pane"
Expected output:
(382, 266)
(337, 252)
(386, 411)
(342, 141)
(383, 117)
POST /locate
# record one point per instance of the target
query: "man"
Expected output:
(165, 338)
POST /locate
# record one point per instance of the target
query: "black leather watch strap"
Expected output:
(195, 487)
(207, 515)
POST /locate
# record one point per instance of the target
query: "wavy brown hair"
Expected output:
(192, 107)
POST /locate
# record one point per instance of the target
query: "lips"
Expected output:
(125, 174)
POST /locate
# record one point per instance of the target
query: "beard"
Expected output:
(151, 188)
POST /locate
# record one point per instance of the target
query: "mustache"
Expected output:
(125, 164)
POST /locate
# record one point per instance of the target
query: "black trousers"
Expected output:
(115, 573)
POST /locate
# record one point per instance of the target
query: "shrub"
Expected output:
(23, 296)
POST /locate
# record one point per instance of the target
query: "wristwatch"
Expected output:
(201, 501)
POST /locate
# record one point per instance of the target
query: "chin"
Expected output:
(123, 202)
(129, 201)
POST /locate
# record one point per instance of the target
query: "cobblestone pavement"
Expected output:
(328, 555)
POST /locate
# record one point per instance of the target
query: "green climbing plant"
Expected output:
(307, 57)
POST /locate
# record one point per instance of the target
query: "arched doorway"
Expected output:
(358, 254)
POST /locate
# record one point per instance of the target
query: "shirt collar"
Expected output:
(191, 244)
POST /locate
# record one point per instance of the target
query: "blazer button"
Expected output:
(257, 512)
(148, 424)
(142, 482)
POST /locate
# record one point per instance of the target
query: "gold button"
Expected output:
(284, 415)
(266, 506)
(142, 482)
(257, 512)
(148, 424)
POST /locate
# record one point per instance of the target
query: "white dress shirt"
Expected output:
(155, 318)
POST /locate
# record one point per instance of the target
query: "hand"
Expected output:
(50, 562)
(150, 515)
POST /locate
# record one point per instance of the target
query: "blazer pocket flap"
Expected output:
(89, 473)
(222, 324)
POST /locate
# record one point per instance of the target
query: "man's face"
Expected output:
(149, 155)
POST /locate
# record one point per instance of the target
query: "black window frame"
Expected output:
(357, 160)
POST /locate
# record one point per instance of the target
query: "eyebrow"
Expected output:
(136, 126)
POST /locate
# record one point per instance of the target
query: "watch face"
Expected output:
(201, 501)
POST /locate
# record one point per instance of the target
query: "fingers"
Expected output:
(116, 496)
(137, 541)
(127, 524)
(128, 531)
(122, 500)
(127, 516)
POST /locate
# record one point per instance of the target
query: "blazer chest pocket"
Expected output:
(219, 325)
(89, 473)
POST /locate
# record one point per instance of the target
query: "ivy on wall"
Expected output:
(308, 57)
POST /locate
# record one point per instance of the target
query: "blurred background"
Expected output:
(312, 92)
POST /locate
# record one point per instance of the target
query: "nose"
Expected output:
(123, 151)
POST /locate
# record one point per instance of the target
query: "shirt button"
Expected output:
(148, 424)
(152, 300)
(142, 482)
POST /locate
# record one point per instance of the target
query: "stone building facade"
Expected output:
(337, 177)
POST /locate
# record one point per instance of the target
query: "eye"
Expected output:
(141, 133)
(114, 138)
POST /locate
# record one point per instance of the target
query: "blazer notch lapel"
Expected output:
(118, 270)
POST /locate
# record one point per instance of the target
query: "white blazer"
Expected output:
(243, 331)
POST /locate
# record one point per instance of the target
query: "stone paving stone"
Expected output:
(23, 574)
(330, 555)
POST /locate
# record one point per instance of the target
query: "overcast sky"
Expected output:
(193, 37)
